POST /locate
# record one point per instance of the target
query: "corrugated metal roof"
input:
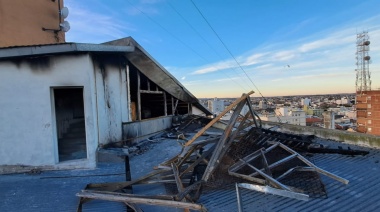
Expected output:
(52, 190)
(361, 194)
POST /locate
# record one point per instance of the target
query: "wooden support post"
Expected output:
(130, 207)
(148, 84)
(176, 104)
(129, 93)
(172, 105)
(249, 103)
(165, 105)
(138, 97)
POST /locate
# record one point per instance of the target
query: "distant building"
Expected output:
(313, 121)
(368, 112)
(262, 105)
(305, 101)
(286, 115)
(215, 106)
(329, 119)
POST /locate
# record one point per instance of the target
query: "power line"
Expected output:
(204, 40)
(225, 46)
(163, 28)
(179, 40)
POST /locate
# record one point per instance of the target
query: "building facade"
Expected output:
(368, 112)
(22, 22)
(286, 115)
(60, 103)
(215, 106)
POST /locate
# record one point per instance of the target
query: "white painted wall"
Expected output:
(215, 106)
(196, 111)
(112, 101)
(27, 132)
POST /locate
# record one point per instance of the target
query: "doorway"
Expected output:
(70, 122)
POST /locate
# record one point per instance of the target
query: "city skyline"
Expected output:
(285, 48)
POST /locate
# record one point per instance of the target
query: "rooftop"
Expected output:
(52, 190)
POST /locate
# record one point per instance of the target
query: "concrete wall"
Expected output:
(27, 116)
(139, 130)
(21, 22)
(112, 99)
(338, 135)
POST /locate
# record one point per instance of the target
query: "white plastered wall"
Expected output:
(27, 132)
(112, 100)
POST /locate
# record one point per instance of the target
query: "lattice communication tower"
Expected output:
(363, 76)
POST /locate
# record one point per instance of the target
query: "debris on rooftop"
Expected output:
(243, 154)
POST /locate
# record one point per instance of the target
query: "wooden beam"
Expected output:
(151, 92)
(223, 143)
(120, 185)
(117, 197)
(128, 92)
(138, 97)
(176, 104)
(243, 97)
(165, 105)
(172, 106)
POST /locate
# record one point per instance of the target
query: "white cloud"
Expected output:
(89, 25)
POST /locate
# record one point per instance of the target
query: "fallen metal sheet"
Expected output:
(274, 191)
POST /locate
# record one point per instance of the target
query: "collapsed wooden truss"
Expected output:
(194, 166)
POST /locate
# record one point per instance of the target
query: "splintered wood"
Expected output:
(193, 168)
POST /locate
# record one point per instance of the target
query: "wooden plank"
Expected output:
(246, 177)
(165, 105)
(139, 200)
(223, 143)
(179, 183)
(249, 103)
(138, 97)
(151, 92)
(120, 185)
(200, 159)
(172, 106)
(218, 117)
(176, 104)
(177, 178)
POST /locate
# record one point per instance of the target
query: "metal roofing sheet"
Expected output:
(361, 194)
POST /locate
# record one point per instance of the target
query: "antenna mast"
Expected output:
(363, 76)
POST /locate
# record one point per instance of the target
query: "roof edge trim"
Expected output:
(61, 48)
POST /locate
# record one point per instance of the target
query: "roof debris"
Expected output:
(244, 154)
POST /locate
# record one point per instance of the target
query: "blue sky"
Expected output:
(285, 47)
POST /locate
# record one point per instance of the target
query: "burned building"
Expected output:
(61, 102)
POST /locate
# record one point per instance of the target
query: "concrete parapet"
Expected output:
(337, 135)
